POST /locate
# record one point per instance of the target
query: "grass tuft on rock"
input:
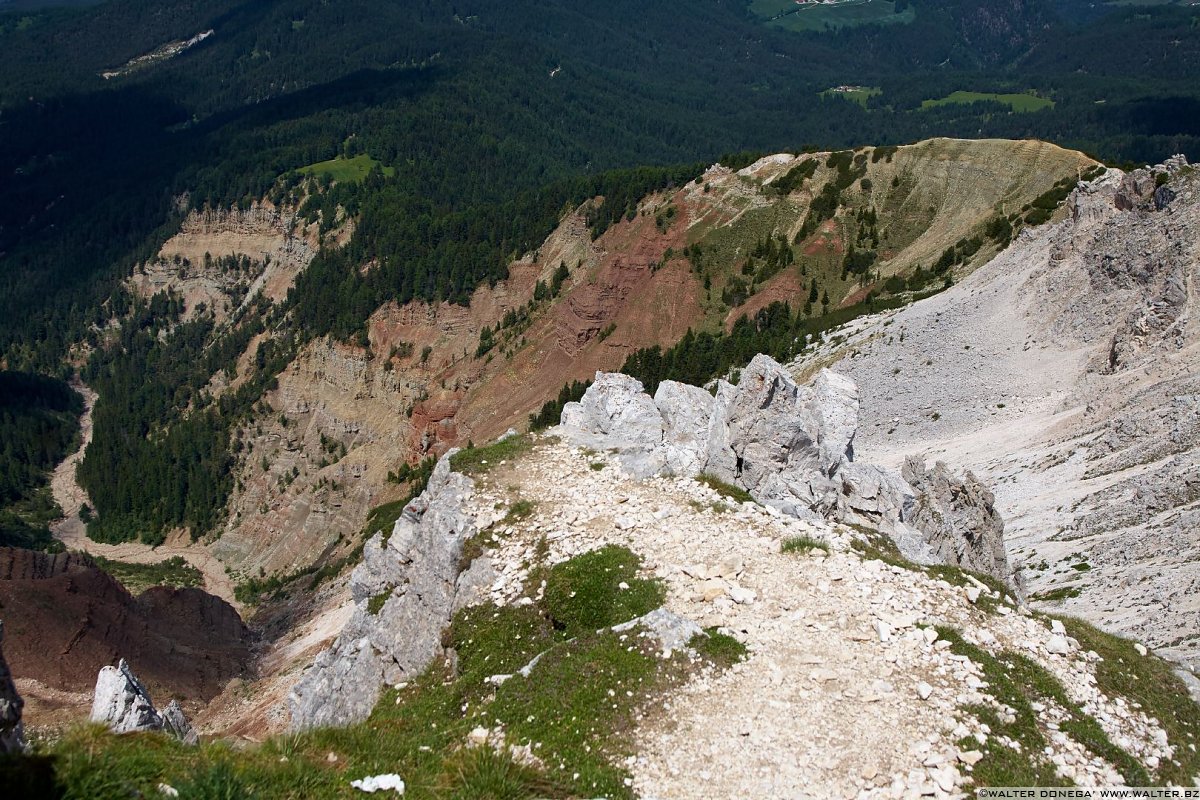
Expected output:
(585, 594)
(1151, 682)
(478, 460)
(957, 576)
(735, 493)
(375, 603)
(519, 510)
(1056, 595)
(875, 545)
(721, 649)
(803, 544)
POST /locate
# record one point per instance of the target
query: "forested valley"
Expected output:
(486, 121)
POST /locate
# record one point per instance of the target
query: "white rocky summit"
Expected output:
(122, 703)
(792, 448)
(851, 683)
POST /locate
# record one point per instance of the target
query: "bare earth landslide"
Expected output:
(1064, 374)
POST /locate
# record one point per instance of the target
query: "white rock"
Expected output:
(973, 593)
(380, 783)
(122, 703)
(924, 690)
(1140, 648)
(1058, 645)
(970, 757)
(741, 595)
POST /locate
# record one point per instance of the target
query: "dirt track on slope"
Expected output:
(72, 531)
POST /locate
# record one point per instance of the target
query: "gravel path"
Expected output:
(845, 692)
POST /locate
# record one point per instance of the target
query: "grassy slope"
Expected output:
(345, 170)
(927, 196)
(586, 688)
(1020, 102)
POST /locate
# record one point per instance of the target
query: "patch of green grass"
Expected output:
(218, 780)
(1082, 566)
(1022, 103)
(803, 544)
(820, 17)
(1152, 682)
(383, 518)
(735, 493)
(137, 578)
(375, 603)
(519, 510)
(499, 640)
(719, 648)
(957, 576)
(1017, 681)
(345, 170)
(873, 545)
(584, 594)
(575, 703)
(482, 772)
(596, 466)
(477, 460)
(1054, 595)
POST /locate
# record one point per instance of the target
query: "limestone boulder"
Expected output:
(176, 723)
(958, 517)
(405, 591)
(122, 703)
(686, 413)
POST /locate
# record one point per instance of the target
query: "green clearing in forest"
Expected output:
(821, 16)
(1021, 103)
(345, 170)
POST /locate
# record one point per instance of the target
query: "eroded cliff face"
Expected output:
(222, 258)
(423, 385)
(65, 619)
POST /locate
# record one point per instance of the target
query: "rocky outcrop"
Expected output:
(958, 517)
(1063, 373)
(792, 448)
(123, 704)
(404, 591)
(176, 723)
(12, 735)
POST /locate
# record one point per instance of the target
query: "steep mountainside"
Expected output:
(550, 626)
(1064, 373)
(696, 258)
(333, 438)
